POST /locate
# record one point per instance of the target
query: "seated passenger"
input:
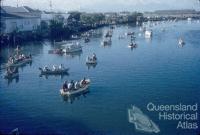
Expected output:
(69, 86)
(77, 85)
(65, 86)
(54, 68)
(61, 67)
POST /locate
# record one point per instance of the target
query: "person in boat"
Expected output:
(83, 82)
(45, 68)
(69, 86)
(94, 57)
(65, 87)
(77, 85)
(54, 68)
(61, 67)
(73, 85)
(23, 56)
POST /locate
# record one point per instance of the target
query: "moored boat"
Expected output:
(18, 63)
(72, 47)
(83, 88)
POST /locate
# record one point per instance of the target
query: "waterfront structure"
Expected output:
(167, 14)
(21, 19)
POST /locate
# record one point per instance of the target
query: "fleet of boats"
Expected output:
(135, 115)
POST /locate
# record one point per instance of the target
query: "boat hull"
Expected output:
(19, 63)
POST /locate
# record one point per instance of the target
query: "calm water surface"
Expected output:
(158, 71)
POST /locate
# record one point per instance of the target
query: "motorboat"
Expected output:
(141, 121)
(58, 71)
(72, 47)
(148, 33)
(82, 88)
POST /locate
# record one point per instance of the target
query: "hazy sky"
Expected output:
(106, 5)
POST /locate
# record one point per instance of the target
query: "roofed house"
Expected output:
(19, 19)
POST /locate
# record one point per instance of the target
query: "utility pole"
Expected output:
(17, 2)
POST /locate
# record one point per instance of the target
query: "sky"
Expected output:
(106, 5)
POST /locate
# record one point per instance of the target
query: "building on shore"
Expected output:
(20, 19)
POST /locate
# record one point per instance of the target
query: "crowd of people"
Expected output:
(74, 85)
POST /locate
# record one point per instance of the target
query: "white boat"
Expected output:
(72, 47)
(148, 33)
(54, 72)
(83, 88)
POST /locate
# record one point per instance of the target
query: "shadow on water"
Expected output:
(89, 66)
(61, 76)
(11, 80)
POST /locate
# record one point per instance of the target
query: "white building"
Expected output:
(18, 19)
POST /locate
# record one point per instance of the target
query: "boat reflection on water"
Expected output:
(89, 66)
(46, 76)
(11, 80)
(70, 99)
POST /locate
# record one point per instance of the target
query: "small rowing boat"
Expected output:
(83, 88)
(91, 60)
(54, 72)
(19, 63)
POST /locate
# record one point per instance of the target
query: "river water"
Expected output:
(157, 71)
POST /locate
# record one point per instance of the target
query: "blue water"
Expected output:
(158, 71)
